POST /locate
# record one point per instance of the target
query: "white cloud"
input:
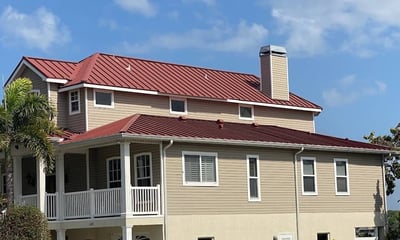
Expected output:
(241, 38)
(140, 6)
(355, 26)
(350, 89)
(41, 29)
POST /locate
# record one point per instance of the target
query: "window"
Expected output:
(365, 233)
(103, 98)
(143, 169)
(254, 177)
(200, 169)
(285, 237)
(74, 102)
(309, 176)
(246, 112)
(323, 236)
(178, 106)
(341, 176)
(35, 91)
(205, 238)
(114, 172)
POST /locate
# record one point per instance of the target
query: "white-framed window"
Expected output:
(285, 236)
(366, 233)
(323, 236)
(103, 98)
(35, 91)
(178, 106)
(143, 169)
(74, 102)
(246, 112)
(114, 172)
(253, 173)
(206, 238)
(341, 176)
(200, 168)
(309, 175)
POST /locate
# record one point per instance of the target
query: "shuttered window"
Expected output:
(200, 168)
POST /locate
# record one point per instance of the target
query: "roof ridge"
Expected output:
(87, 65)
(132, 120)
(48, 59)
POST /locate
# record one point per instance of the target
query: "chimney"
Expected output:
(274, 72)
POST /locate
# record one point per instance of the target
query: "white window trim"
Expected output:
(177, 99)
(347, 176)
(205, 184)
(285, 236)
(247, 106)
(315, 176)
(36, 91)
(101, 105)
(108, 169)
(70, 102)
(151, 166)
(252, 199)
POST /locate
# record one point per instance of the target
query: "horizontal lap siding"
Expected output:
(154, 149)
(366, 186)
(231, 196)
(60, 103)
(280, 87)
(37, 82)
(76, 122)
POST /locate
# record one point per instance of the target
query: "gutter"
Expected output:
(164, 186)
(296, 188)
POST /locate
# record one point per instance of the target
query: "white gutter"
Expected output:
(296, 186)
(164, 186)
(318, 110)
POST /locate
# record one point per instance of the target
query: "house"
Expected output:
(155, 150)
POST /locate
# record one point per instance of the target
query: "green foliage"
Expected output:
(23, 223)
(393, 232)
(392, 162)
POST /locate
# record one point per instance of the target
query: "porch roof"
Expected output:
(181, 129)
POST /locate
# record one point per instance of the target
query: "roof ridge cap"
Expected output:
(132, 119)
(91, 61)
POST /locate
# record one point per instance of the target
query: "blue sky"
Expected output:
(343, 54)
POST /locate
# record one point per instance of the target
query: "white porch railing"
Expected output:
(98, 203)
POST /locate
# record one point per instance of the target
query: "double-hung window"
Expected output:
(114, 172)
(253, 177)
(309, 176)
(200, 168)
(341, 176)
(74, 104)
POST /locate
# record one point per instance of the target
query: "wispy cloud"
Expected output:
(241, 38)
(144, 7)
(313, 26)
(108, 23)
(350, 89)
(40, 29)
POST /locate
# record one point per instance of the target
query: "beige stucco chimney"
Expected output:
(274, 72)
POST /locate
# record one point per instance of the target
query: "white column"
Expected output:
(60, 234)
(126, 232)
(125, 178)
(41, 185)
(60, 186)
(17, 175)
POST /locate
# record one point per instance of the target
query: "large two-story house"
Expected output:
(155, 150)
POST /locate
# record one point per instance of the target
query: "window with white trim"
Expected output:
(143, 169)
(177, 106)
(35, 91)
(341, 176)
(114, 172)
(200, 168)
(74, 103)
(103, 98)
(366, 233)
(205, 238)
(285, 236)
(253, 173)
(246, 112)
(309, 175)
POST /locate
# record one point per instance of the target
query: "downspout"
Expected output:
(297, 193)
(164, 186)
(384, 191)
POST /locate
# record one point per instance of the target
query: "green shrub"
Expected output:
(23, 223)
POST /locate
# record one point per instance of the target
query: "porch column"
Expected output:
(126, 207)
(126, 232)
(60, 186)
(60, 234)
(41, 185)
(17, 175)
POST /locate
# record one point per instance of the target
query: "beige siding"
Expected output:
(75, 172)
(76, 122)
(265, 65)
(280, 88)
(60, 102)
(37, 82)
(126, 104)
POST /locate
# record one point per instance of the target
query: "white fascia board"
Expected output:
(30, 66)
(82, 85)
(56, 80)
(273, 105)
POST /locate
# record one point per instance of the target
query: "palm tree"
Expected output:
(25, 119)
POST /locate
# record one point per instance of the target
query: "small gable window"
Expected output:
(103, 98)
(178, 106)
(246, 112)
(74, 107)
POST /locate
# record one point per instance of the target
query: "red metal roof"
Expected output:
(164, 78)
(157, 126)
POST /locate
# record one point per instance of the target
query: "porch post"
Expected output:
(126, 232)
(126, 207)
(41, 185)
(17, 179)
(60, 186)
(60, 234)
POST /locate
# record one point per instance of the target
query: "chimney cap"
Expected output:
(270, 49)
